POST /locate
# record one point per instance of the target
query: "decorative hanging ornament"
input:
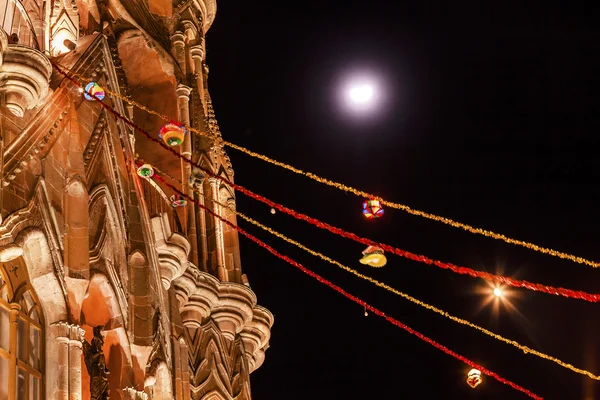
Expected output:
(95, 90)
(474, 377)
(145, 171)
(372, 209)
(178, 201)
(374, 257)
(172, 133)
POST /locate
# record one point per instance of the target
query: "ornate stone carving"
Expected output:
(96, 366)
(172, 248)
(25, 76)
(231, 306)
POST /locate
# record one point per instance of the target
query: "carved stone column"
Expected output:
(75, 352)
(70, 349)
(221, 271)
(197, 53)
(178, 42)
(198, 185)
(185, 370)
(183, 101)
(61, 391)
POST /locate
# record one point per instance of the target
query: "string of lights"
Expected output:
(363, 194)
(351, 297)
(525, 349)
(569, 293)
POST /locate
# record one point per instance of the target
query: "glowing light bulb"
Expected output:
(498, 292)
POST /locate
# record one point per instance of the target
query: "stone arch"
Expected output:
(37, 257)
(40, 267)
(106, 233)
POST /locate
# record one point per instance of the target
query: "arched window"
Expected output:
(21, 335)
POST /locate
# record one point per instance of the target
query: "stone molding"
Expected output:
(172, 249)
(231, 305)
(72, 332)
(25, 77)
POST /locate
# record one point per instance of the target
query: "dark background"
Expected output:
(491, 119)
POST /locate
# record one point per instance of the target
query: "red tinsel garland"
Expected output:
(575, 294)
(355, 299)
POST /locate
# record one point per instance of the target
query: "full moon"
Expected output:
(361, 93)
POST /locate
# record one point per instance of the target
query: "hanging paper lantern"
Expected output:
(172, 133)
(474, 377)
(145, 171)
(374, 257)
(95, 90)
(178, 201)
(372, 209)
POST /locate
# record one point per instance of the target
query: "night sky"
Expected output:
(491, 118)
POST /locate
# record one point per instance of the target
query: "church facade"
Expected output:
(109, 286)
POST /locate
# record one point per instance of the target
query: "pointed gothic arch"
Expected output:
(37, 259)
(107, 250)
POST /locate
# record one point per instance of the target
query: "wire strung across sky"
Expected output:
(357, 192)
(355, 299)
(525, 349)
(569, 293)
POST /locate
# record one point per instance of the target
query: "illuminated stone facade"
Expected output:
(86, 243)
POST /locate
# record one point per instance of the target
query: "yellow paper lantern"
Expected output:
(373, 256)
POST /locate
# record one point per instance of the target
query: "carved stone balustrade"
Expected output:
(24, 77)
(172, 248)
(231, 305)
